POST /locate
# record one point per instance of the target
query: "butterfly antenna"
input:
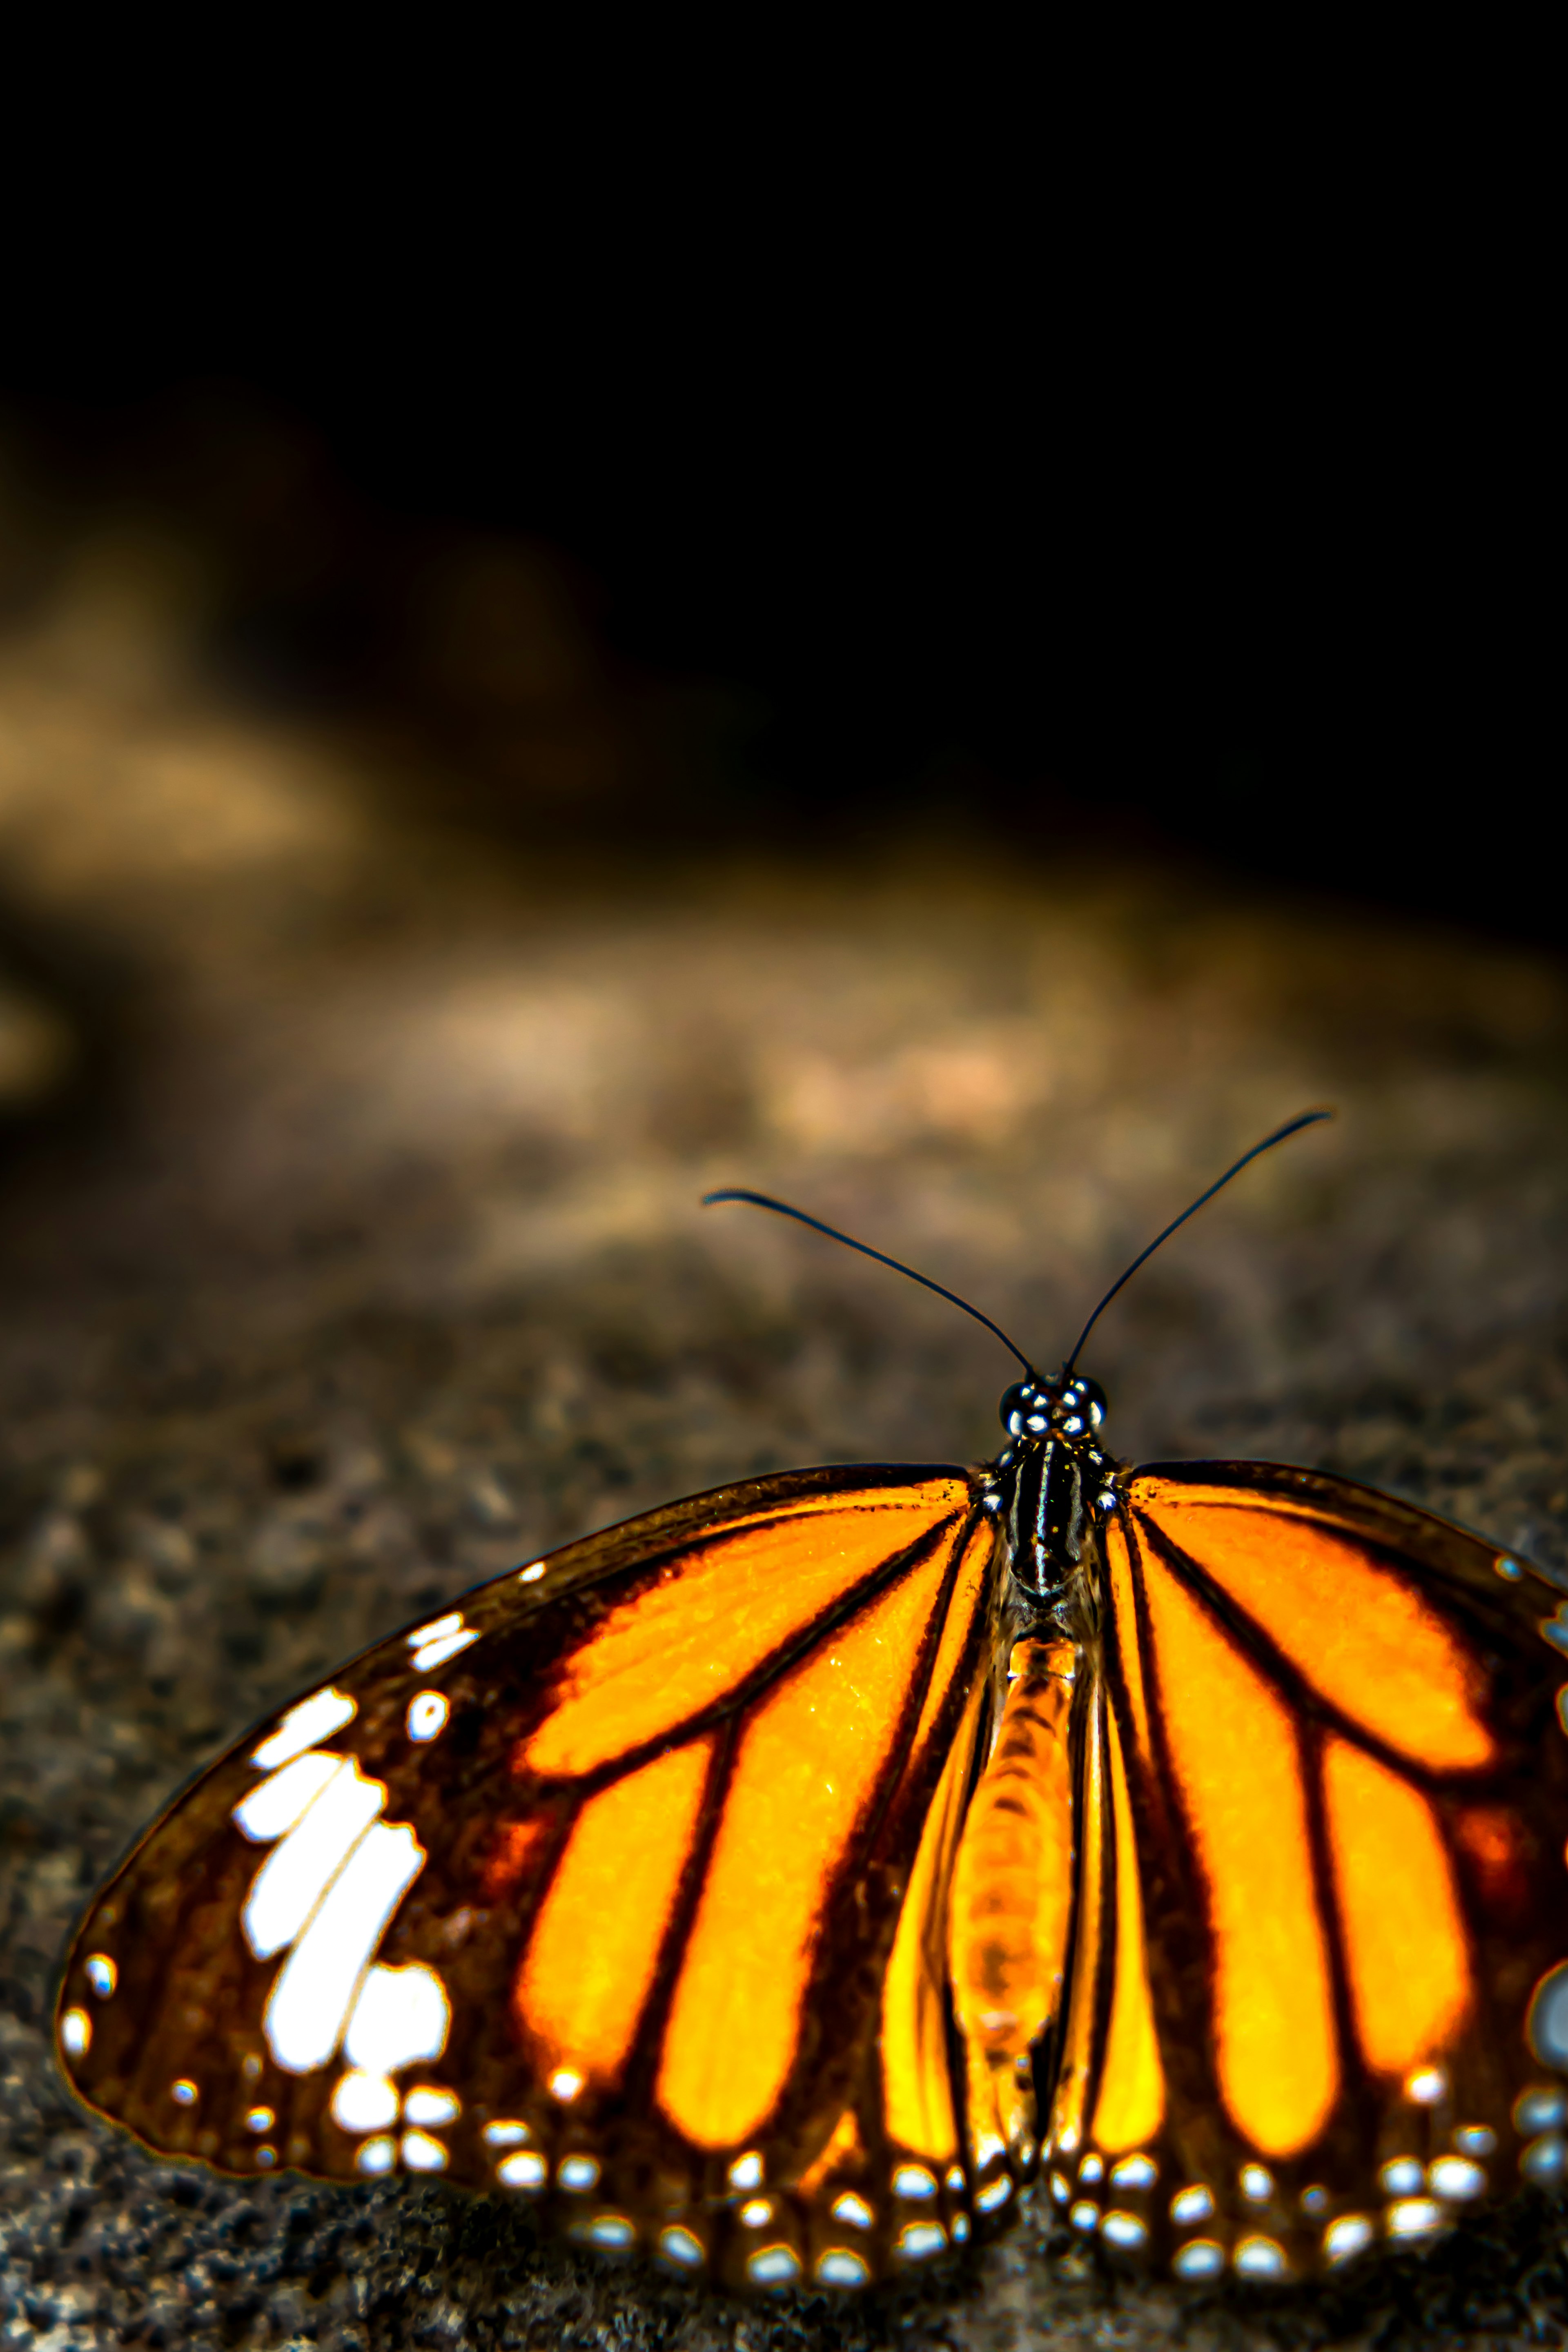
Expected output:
(1291, 1126)
(783, 1209)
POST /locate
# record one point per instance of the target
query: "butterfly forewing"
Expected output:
(592, 1888)
(1331, 1735)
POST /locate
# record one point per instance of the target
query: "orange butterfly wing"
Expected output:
(624, 1885)
(1324, 1785)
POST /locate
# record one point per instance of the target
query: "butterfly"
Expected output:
(785, 1883)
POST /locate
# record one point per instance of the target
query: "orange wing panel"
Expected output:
(1238, 1764)
(808, 1765)
(687, 1641)
(590, 1961)
(1405, 1943)
(1131, 2105)
(1367, 1639)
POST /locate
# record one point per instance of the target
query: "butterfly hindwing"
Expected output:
(1331, 1733)
(594, 1888)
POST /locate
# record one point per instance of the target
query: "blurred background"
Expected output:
(500, 733)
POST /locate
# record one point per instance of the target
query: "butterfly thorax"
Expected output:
(1052, 1478)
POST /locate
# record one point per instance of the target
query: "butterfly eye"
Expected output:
(1014, 1407)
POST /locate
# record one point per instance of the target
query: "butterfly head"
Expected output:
(1053, 1476)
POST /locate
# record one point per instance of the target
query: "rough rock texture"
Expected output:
(371, 1261)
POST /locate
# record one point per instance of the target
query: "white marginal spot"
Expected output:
(1543, 2107)
(1474, 2139)
(756, 2212)
(852, 2211)
(1544, 2162)
(611, 2231)
(76, 2032)
(1314, 2200)
(530, 1575)
(436, 1654)
(1084, 2214)
(1135, 2172)
(1190, 2205)
(1061, 2188)
(266, 2157)
(524, 2170)
(1456, 2178)
(1092, 2169)
(1256, 2184)
(102, 1976)
(428, 1713)
(316, 1717)
(1200, 2258)
(436, 1631)
(1510, 1569)
(363, 2102)
(565, 2084)
(505, 2132)
(296, 1874)
(746, 2172)
(1351, 2234)
(675, 2244)
(960, 2228)
(402, 2015)
(184, 2093)
(314, 1990)
(260, 2119)
(422, 2154)
(1402, 2176)
(579, 2173)
(1415, 2217)
(377, 2156)
(988, 2148)
(914, 2182)
(1124, 2230)
(1259, 2258)
(427, 2106)
(275, 1804)
(839, 2267)
(774, 2266)
(919, 2241)
(995, 2193)
(1427, 2086)
(955, 2180)
(1547, 2025)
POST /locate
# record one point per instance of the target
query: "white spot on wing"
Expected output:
(76, 2032)
(524, 2170)
(295, 1877)
(746, 2172)
(436, 1654)
(401, 2016)
(565, 2084)
(428, 1713)
(1124, 2230)
(102, 1975)
(532, 1575)
(275, 1804)
(310, 1999)
(422, 2154)
(852, 2211)
(363, 2102)
(430, 2107)
(377, 2156)
(1190, 2205)
(316, 1717)
(1351, 2234)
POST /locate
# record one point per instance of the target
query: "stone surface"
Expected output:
(367, 1260)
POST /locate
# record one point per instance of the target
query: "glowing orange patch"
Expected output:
(1131, 2102)
(843, 2153)
(917, 2089)
(1012, 1886)
(1404, 1936)
(689, 1639)
(808, 1766)
(509, 1858)
(585, 1974)
(1126, 1620)
(1238, 1766)
(1367, 1641)
(1069, 2112)
(1499, 1849)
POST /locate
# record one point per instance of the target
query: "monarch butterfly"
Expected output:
(782, 1881)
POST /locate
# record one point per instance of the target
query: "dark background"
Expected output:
(1205, 515)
